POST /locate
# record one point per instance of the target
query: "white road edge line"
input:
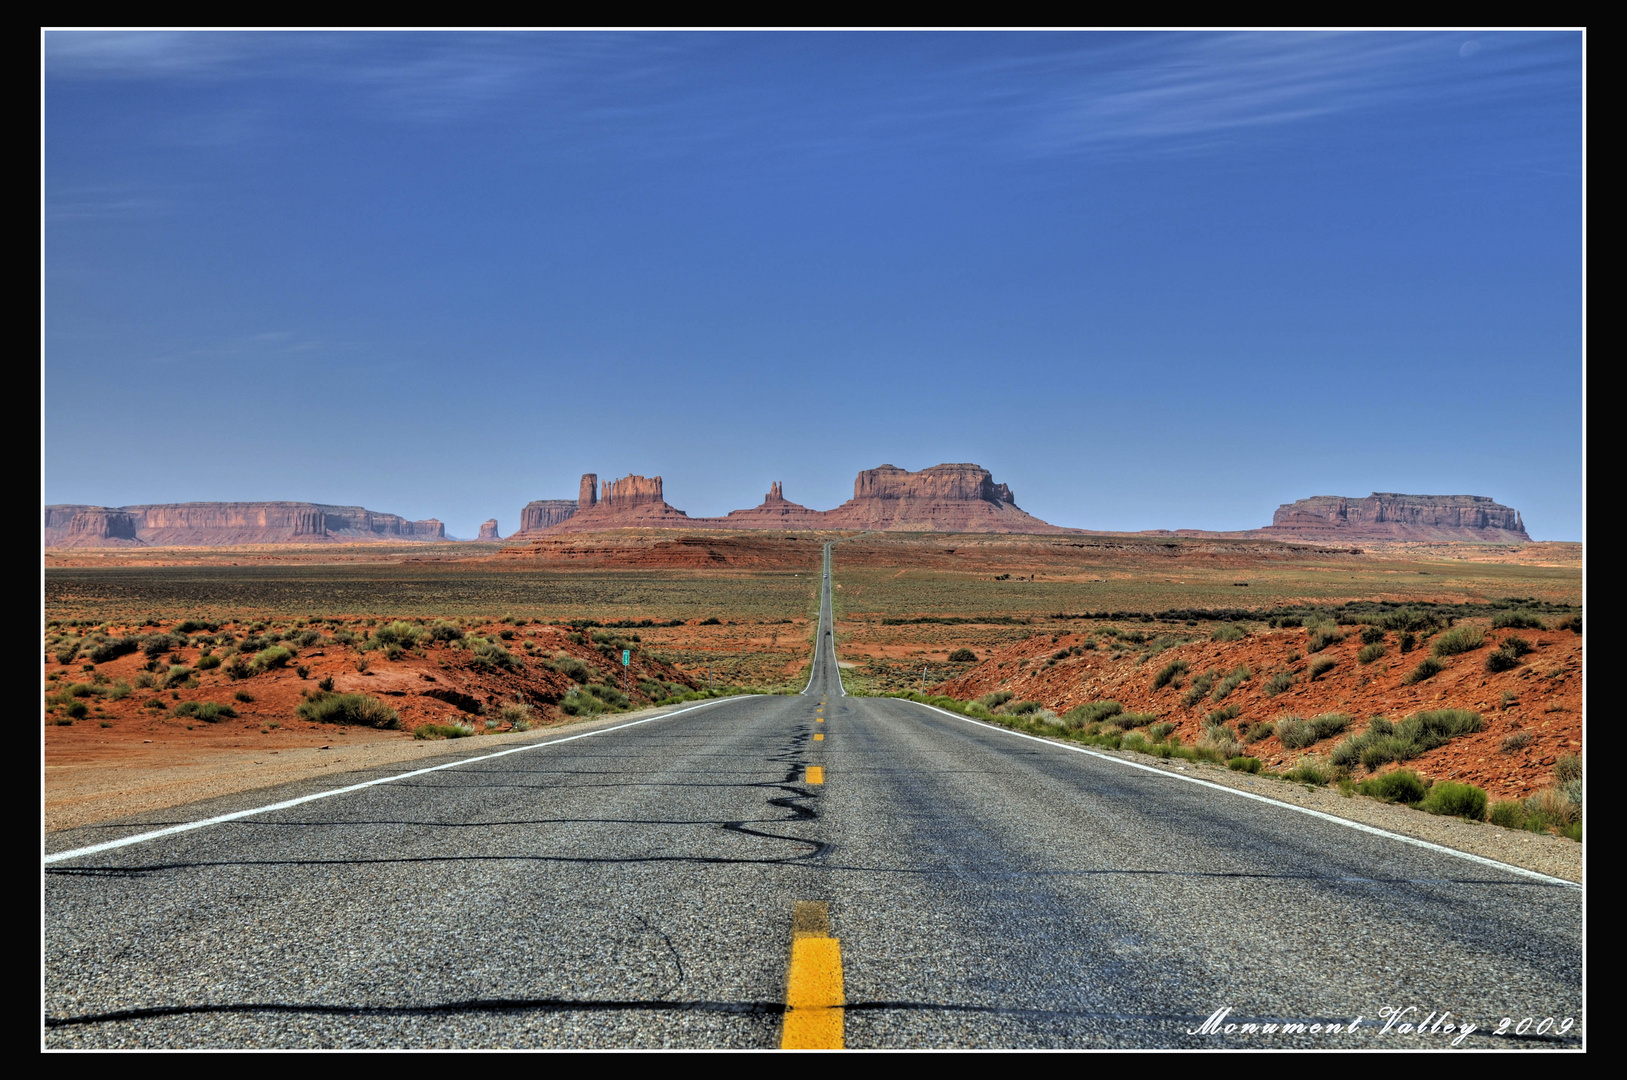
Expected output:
(188, 826)
(1357, 825)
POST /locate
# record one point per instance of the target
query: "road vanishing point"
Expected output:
(802, 871)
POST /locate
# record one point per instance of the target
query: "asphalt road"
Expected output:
(637, 888)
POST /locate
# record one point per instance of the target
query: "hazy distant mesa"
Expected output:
(943, 498)
(216, 524)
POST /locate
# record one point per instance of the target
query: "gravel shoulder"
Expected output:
(1546, 854)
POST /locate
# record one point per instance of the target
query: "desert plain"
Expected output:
(476, 640)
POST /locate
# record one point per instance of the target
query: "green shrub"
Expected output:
(1408, 642)
(517, 714)
(1451, 799)
(1279, 682)
(1090, 713)
(1501, 660)
(1322, 636)
(489, 654)
(1167, 673)
(1427, 668)
(1296, 733)
(1220, 716)
(357, 710)
(1407, 619)
(612, 697)
(1199, 689)
(962, 656)
(103, 651)
(402, 635)
(1321, 667)
(1372, 635)
(155, 645)
(209, 712)
(1023, 708)
(1510, 815)
(1235, 678)
(1384, 742)
(1228, 632)
(208, 662)
(573, 667)
(1459, 639)
(77, 710)
(580, 703)
(1309, 771)
(1160, 732)
(1257, 732)
(1517, 620)
(1135, 719)
(1369, 653)
(442, 731)
(276, 656)
(995, 699)
(1245, 764)
(1574, 624)
(1220, 739)
(1515, 741)
(1568, 769)
(1402, 785)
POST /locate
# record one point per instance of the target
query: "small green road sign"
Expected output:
(626, 657)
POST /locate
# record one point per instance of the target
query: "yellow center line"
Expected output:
(819, 736)
(813, 985)
(815, 774)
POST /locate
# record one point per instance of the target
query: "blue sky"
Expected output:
(1149, 280)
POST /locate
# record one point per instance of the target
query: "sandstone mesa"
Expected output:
(944, 498)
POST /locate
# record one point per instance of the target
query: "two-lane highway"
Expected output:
(671, 882)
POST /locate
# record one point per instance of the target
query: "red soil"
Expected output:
(1547, 689)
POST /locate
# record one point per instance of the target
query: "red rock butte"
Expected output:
(944, 498)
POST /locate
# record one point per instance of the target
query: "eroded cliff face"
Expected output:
(944, 498)
(544, 513)
(1392, 516)
(488, 530)
(216, 524)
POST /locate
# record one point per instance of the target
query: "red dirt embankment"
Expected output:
(1541, 698)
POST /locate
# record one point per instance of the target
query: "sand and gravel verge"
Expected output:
(1546, 854)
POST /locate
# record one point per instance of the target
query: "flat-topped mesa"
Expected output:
(944, 498)
(222, 524)
(488, 530)
(1386, 515)
(543, 513)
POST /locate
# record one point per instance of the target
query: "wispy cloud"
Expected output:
(1041, 94)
